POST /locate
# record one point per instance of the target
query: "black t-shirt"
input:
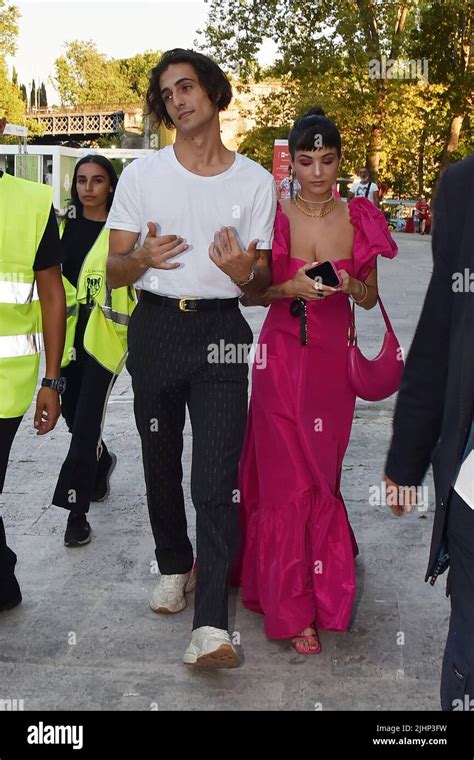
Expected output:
(49, 253)
(78, 238)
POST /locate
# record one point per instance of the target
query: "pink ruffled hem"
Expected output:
(298, 567)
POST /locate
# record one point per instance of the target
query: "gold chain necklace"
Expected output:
(315, 216)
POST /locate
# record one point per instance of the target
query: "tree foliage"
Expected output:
(12, 95)
(86, 77)
(11, 102)
(403, 124)
(9, 15)
(258, 144)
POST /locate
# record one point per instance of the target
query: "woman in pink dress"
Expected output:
(297, 562)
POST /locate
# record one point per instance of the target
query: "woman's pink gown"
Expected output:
(297, 561)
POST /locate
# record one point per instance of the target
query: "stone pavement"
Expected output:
(85, 638)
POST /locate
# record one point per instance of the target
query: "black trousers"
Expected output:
(82, 406)
(8, 430)
(168, 362)
(457, 680)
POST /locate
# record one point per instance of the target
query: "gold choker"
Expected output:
(322, 213)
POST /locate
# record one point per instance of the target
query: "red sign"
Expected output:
(281, 160)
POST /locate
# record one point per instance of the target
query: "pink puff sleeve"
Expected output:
(371, 236)
(281, 248)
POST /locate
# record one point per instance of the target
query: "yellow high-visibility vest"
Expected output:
(24, 211)
(105, 336)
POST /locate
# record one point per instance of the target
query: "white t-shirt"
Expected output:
(360, 189)
(157, 188)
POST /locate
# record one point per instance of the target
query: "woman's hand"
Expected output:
(302, 286)
(349, 284)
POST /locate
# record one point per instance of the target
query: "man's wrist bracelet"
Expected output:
(247, 281)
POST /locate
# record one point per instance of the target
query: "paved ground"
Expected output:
(85, 638)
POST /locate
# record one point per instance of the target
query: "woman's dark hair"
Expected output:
(105, 164)
(209, 75)
(312, 125)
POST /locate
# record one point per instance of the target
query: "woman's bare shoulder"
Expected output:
(343, 208)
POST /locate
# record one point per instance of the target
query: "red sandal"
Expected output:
(312, 639)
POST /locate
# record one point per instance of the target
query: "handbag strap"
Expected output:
(352, 335)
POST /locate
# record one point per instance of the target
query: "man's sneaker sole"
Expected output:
(112, 467)
(167, 611)
(224, 656)
(190, 586)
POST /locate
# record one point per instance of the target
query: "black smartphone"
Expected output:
(326, 273)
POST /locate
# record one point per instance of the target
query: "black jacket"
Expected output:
(435, 404)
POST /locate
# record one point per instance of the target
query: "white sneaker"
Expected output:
(211, 648)
(169, 595)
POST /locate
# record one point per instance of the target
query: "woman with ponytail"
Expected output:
(95, 346)
(297, 566)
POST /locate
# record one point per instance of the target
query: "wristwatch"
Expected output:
(59, 384)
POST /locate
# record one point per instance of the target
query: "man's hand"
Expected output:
(400, 499)
(227, 254)
(47, 410)
(156, 250)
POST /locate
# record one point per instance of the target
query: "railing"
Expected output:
(81, 109)
(80, 124)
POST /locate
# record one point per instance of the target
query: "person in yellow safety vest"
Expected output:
(32, 306)
(95, 347)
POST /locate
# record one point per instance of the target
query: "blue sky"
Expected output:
(119, 28)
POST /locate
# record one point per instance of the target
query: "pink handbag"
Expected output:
(375, 379)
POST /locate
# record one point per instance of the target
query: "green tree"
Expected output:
(330, 53)
(11, 104)
(84, 76)
(329, 39)
(43, 96)
(33, 95)
(9, 15)
(258, 144)
(135, 72)
(444, 38)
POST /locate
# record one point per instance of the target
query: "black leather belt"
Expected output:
(190, 303)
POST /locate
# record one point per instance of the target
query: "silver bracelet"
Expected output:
(245, 282)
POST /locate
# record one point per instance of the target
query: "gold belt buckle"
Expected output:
(182, 302)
